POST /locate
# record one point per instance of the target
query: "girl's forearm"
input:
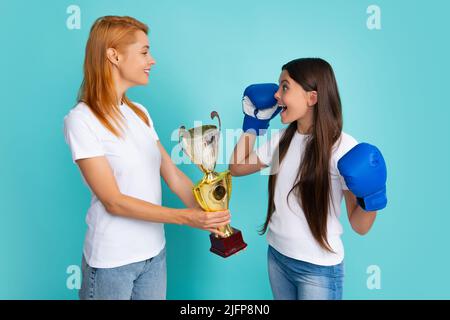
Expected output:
(243, 148)
(361, 220)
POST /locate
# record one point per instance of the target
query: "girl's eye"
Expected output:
(144, 53)
(284, 87)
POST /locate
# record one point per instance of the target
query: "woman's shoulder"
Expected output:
(140, 106)
(144, 109)
(80, 110)
(80, 116)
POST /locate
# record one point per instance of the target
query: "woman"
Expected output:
(115, 145)
(312, 162)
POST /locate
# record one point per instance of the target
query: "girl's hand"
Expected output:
(259, 106)
(209, 221)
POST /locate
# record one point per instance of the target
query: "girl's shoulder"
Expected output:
(276, 134)
(343, 145)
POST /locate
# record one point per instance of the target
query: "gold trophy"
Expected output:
(201, 145)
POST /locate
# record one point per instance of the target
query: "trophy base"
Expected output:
(226, 247)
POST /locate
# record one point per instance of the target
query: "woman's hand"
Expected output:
(210, 221)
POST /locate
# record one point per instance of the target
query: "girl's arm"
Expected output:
(99, 176)
(260, 106)
(360, 220)
(244, 160)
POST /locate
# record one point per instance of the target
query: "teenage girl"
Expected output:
(314, 165)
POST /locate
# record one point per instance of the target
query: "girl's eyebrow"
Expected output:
(145, 47)
(284, 80)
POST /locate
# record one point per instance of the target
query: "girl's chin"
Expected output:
(287, 120)
(284, 119)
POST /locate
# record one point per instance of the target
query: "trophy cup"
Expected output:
(213, 191)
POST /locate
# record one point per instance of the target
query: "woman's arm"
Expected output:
(244, 160)
(360, 220)
(176, 180)
(99, 176)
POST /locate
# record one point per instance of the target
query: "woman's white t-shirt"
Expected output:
(135, 160)
(288, 230)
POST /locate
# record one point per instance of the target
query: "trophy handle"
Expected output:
(180, 131)
(214, 114)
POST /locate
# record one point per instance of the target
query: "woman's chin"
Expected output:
(143, 81)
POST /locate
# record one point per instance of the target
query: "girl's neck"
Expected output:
(303, 127)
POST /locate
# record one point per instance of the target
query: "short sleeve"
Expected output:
(150, 121)
(346, 144)
(266, 151)
(152, 128)
(80, 137)
(343, 184)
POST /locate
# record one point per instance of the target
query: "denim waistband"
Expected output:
(300, 266)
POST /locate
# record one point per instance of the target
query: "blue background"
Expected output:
(393, 84)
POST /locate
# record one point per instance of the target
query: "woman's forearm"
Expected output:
(183, 189)
(131, 207)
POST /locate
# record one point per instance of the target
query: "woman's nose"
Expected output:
(152, 61)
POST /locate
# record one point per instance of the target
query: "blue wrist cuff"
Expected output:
(255, 126)
(375, 201)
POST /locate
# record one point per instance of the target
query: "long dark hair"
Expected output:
(312, 187)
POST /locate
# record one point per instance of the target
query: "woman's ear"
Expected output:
(113, 56)
(312, 98)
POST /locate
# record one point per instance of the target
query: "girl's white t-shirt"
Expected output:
(135, 160)
(288, 231)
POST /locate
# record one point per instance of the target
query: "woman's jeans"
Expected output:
(144, 280)
(293, 279)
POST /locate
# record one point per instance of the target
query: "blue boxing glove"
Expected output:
(259, 106)
(364, 172)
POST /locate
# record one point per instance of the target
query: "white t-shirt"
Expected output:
(135, 160)
(288, 231)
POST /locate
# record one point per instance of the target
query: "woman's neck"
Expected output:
(120, 85)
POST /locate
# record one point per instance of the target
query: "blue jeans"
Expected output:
(293, 279)
(144, 280)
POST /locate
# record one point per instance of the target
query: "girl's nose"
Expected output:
(277, 95)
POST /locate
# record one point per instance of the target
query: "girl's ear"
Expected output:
(312, 98)
(113, 56)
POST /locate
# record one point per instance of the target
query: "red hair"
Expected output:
(97, 89)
